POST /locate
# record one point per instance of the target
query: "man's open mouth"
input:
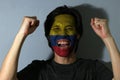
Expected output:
(63, 43)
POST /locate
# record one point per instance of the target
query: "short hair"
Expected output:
(63, 10)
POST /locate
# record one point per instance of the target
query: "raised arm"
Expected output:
(100, 27)
(9, 66)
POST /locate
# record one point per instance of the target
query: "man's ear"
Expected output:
(49, 43)
(78, 36)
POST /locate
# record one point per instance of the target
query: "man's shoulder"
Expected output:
(40, 62)
(89, 62)
(82, 60)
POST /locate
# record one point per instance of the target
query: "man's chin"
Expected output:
(62, 52)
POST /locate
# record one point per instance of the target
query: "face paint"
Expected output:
(63, 35)
(62, 45)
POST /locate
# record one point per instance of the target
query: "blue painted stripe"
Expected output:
(53, 39)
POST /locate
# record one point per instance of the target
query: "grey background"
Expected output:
(36, 47)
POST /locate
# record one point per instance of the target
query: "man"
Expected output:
(63, 29)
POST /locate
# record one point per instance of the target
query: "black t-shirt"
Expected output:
(82, 69)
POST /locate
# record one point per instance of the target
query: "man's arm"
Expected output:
(100, 26)
(114, 55)
(8, 69)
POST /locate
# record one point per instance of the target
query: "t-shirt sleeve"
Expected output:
(103, 73)
(31, 72)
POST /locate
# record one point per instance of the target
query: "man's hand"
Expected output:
(29, 25)
(100, 27)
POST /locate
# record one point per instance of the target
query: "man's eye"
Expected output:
(69, 28)
(56, 28)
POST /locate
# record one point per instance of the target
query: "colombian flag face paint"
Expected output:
(63, 35)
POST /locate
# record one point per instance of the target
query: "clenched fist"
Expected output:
(29, 25)
(100, 27)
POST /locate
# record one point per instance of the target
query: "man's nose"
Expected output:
(63, 32)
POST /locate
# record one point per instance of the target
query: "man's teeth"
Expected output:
(63, 43)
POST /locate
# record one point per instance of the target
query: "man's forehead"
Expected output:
(64, 18)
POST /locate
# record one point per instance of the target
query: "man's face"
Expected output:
(62, 35)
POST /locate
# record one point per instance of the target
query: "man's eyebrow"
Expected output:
(55, 26)
(68, 25)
